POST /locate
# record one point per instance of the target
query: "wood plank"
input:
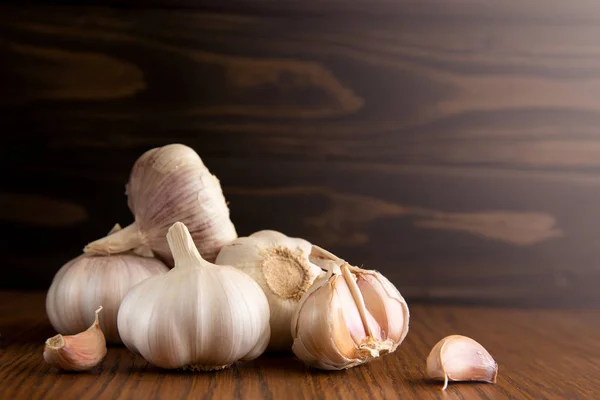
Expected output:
(555, 10)
(542, 354)
(455, 151)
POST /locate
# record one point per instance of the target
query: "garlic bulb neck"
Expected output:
(118, 241)
(183, 248)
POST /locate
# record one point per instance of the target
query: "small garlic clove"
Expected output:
(460, 358)
(78, 352)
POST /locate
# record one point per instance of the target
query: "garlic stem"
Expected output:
(182, 245)
(324, 259)
(319, 252)
(96, 319)
(358, 299)
(117, 242)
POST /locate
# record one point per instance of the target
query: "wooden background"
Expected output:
(454, 145)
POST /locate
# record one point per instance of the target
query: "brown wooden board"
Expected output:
(454, 149)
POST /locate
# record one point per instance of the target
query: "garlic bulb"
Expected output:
(198, 315)
(79, 352)
(169, 184)
(281, 267)
(348, 317)
(460, 358)
(86, 281)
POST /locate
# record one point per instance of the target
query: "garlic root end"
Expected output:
(445, 382)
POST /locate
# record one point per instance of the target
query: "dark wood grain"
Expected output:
(542, 354)
(455, 148)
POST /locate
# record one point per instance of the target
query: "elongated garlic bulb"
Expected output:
(348, 317)
(169, 184)
(79, 352)
(198, 315)
(281, 267)
(460, 358)
(86, 281)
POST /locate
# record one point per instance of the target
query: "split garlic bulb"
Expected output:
(348, 317)
(169, 184)
(88, 280)
(460, 358)
(79, 352)
(198, 315)
(281, 267)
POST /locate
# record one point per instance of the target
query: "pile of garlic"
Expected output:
(264, 292)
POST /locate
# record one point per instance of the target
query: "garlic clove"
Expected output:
(392, 316)
(166, 185)
(79, 352)
(460, 358)
(281, 266)
(348, 317)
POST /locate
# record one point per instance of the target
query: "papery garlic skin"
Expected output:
(198, 315)
(86, 281)
(280, 265)
(79, 352)
(169, 184)
(460, 358)
(348, 317)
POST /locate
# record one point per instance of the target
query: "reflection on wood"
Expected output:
(454, 147)
(268, 88)
(344, 221)
(39, 210)
(71, 75)
(518, 228)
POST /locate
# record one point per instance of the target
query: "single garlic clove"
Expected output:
(348, 317)
(78, 352)
(460, 358)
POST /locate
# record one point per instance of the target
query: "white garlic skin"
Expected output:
(460, 358)
(78, 352)
(86, 281)
(197, 316)
(169, 184)
(349, 317)
(280, 265)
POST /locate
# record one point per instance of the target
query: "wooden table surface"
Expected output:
(543, 354)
